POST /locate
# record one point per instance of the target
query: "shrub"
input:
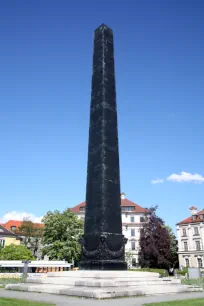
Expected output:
(182, 272)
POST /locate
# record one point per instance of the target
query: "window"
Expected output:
(184, 232)
(132, 232)
(200, 263)
(201, 217)
(196, 231)
(82, 208)
(128, 208)
(185, 246)
(194, 217)
(141, 219)
(133, 245)
(13, 228)
(2, 243)
(198, 245)
(132, 219)
(1, 231)
(187, 262)
(134, 262)
(126, 227)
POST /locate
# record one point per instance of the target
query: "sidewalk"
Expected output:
(60, 300)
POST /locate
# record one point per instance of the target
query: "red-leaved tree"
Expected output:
(155, 242)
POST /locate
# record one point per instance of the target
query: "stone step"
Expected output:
(74, 291)
(103, 274)
(105, 292)
(101, 283)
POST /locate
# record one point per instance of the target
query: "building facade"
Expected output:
(132, 221)
(7, 237)
(190, 234)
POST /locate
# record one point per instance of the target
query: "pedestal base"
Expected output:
(110, 265)
(103, 284)
(104, 251)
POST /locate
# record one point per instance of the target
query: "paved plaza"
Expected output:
(69, 301)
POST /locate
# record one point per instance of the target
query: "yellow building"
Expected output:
(7, 237)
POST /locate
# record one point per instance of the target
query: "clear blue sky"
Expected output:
(45, 77)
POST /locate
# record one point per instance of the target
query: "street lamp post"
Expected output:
(25, 270)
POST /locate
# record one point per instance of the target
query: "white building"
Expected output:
(132, 219)
(191, 239)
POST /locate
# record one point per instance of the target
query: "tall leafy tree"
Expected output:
(32, 235)
(173, 247)
(61, 234)
(155, 242)
(15, 252)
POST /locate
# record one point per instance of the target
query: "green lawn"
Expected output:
(5, 281)
(14, 302)
(199, 302)
(198, 282)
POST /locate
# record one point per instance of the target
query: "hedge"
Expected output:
(162, 272)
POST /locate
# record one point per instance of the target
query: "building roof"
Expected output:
(11, 223)
(190, 219)
(124, 203)
(5, 232)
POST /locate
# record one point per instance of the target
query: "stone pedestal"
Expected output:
(103, 265)
(103, 252)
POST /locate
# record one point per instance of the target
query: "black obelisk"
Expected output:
(103, 244)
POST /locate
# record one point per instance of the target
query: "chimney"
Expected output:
(122, 196)
(193, 210)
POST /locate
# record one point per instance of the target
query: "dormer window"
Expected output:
(194, 217)
(13, 228)
(201, 217)
(128, 208)
(82, 209)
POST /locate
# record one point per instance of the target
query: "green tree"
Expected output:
(16, 252)
(173, 247)
(32, 235)
(62, 231)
